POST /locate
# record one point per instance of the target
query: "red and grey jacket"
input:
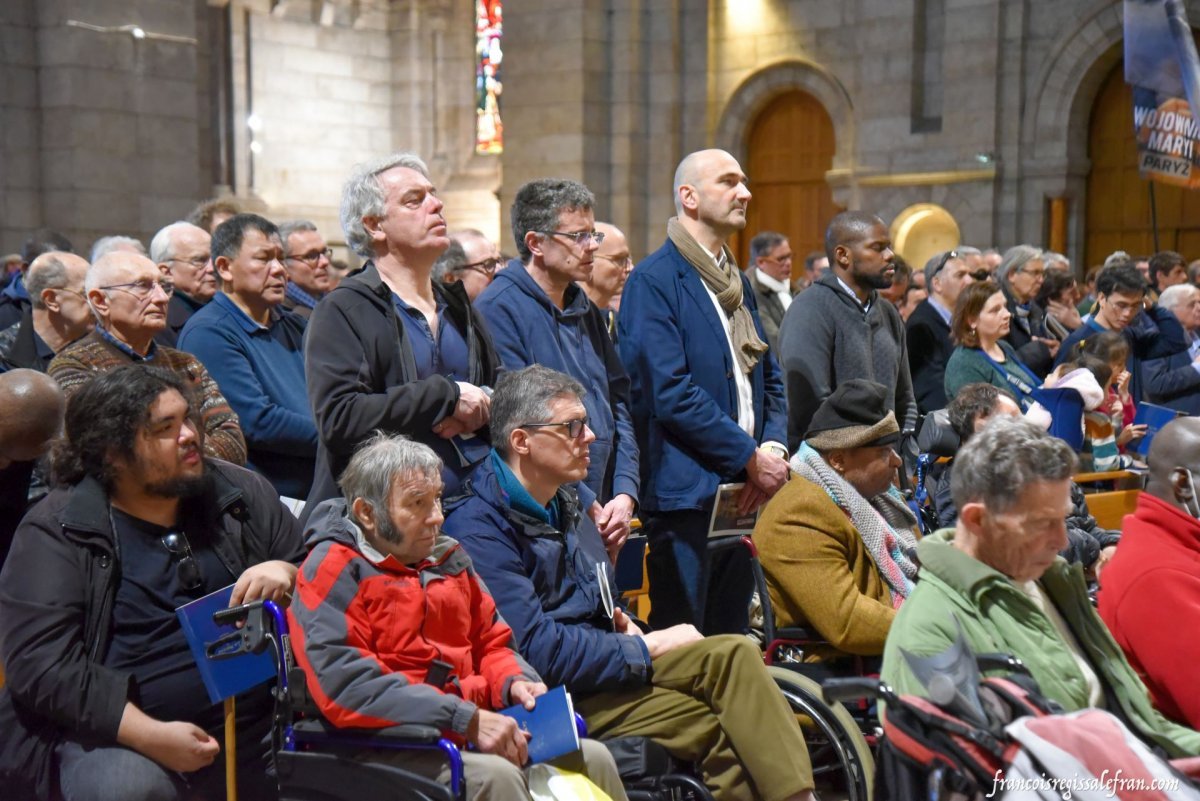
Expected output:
(367, 632)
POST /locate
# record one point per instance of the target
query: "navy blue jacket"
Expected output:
(528, 328)
(1174, 382)
(546, 586)
(261, 373)
(1154, 334)
(684, 396)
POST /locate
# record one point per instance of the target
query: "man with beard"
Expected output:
(838, 329)
(102, 695)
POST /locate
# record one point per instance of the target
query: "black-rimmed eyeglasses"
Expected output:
(578, 237)
(186, 569)
(487, 266)
(946, 257)
(574, 427)
(313, 257)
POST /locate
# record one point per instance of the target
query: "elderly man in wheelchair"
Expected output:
(998, 578)
(391, 625)
(836, 543)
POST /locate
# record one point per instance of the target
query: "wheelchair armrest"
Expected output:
(407, 734)
(798, 634)
(854, 689)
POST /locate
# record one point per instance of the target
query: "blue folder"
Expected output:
(222, 677)
(551, 724)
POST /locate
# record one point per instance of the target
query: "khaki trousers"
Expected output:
(713, 702)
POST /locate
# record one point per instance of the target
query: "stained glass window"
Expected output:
(489, 24)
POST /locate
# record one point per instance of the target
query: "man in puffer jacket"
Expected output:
(391, 626)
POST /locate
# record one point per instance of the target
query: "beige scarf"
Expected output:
(726, 283)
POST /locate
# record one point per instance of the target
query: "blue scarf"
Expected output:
(518, 497)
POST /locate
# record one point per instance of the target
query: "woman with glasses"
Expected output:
(979, 326)
(1021, 274)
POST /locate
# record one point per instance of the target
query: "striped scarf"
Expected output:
(885, 523)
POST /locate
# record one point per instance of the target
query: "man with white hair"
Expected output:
(128, 295)
(391, 348)
(111, 244)
(58, 315)
(1174, 381)
(182, 250)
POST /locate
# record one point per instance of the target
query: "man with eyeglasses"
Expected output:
(706, 700)
(771, 279)
(1152, 333)
(390, 348)
(307, 259)
(102, 693)
(182, 251)
(611, 266)
(538, 314)
(58, 314)
(255, 351)
(472, 259)
(927, 330)
(708, 402)
(129, 295)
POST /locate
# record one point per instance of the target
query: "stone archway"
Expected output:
(754, 94)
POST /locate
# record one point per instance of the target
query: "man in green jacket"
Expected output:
(998, 575)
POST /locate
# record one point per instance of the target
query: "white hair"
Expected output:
(362, 196)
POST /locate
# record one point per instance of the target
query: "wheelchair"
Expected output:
(839, 743)
(315, 761)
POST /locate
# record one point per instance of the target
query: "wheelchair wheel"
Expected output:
(842, 763)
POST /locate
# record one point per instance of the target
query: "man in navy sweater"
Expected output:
(537, 314)
(255, 352)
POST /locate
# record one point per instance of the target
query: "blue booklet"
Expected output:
(1154, 418)
(551, 724)
(222, 677)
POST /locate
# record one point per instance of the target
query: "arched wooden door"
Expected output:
(1118, 199)
(789, 150)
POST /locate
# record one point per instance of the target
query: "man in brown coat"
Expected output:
(835, 543)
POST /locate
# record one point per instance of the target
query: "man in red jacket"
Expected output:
(1150, 596)
(391, 625)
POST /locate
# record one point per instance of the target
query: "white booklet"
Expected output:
(726, 522)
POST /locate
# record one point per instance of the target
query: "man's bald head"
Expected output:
(848, 228)
(33, 411)
(694, 167)
(1174, 460)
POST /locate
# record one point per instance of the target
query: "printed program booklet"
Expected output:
(725, 521)
(551, 725)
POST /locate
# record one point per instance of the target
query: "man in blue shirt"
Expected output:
(538, 314)
(255, 351)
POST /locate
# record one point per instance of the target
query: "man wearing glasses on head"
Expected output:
(181, 250)
(538, 314)
(103, 696)
(928, 328)
(307, 259)
(129, 296)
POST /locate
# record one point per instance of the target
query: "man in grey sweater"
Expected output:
(841, 329)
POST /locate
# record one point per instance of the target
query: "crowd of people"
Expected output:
(436, 460)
